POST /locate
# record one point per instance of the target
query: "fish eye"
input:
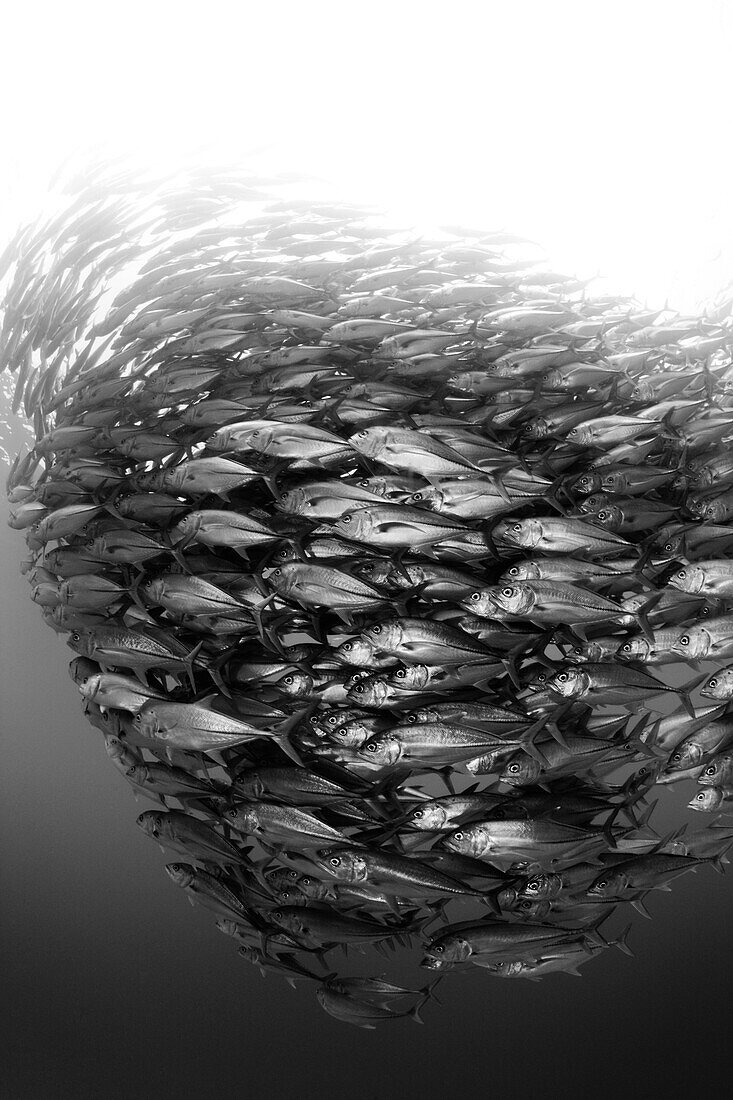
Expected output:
(359, 689)
(685, 639)
(602, 884)
(371, 747)
(507, 592)
(438, 950)
(517, 527)
(277, 572)
(412, 718)
(700, 797)
(346, 519)
(712, 683)
(562, 677)
(525, 905)
(277, 914)
(710, 770)
(513, 768)
(401, 673)
(458, 836)
(288, 680)
(475, 596)
(305, 881)
(292, 874)
(76, 636)
(603, 514)
(682, 573)
(231, 813)
(335, 861)
(138, 719)
(417, 496)
(514, 571)
(418, 813)
(676, 756)
(668, 546)
(376, 629)
(534, 884)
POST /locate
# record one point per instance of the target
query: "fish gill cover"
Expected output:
(397, 568)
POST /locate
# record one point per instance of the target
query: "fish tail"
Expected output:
(621, 943)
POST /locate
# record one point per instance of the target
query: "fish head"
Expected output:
(228, 927)
(378, 571)
(609, 884)
(581, 434)
(181, 873)
(385, 635)
(515, 599)
(282, 578)
(147, 723)
(685, 756)
(706, 801)
(634, 649)
(350, 736)
(296, 684)
(570, 683)
(479, 603)
(427, 816)
(345, 864)
(719, 686)
(241, 818)
(368, 691)
(429, 497)
(411, 676)
(114, 747)
(615, 482)
(471, 840)
(713, 774)
(356, 524)
(521, 571)
(369, 442)
(285, 918)
(150, 822)
(446, 950)
(82, 642)
(89, 687)
(521, 771)
(610, 517)
(154, 590)
(294, 502)
(694, 644)
(81, 668)
(542, 886)
(587, 483)
(381, 749)
(691, 578)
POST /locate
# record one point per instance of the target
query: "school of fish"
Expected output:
(397, 568)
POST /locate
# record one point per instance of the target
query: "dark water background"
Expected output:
(114, 987)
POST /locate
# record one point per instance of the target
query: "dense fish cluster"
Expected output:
(398, 568)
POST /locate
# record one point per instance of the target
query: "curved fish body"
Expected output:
(401, 875)
(192, 727)
(539, 841)
(396, 526)
(422, 641)
(559, 536)
(277, 825)
(214, 527)
(188, 835)
(708, 578)
(711, 641)
(312, 585)
(435, 744)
